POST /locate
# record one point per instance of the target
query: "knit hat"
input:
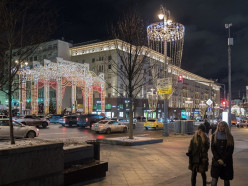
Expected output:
(202, 127)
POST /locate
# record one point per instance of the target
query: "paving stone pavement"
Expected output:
(165, 163)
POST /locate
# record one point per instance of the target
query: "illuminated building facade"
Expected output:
(194, 88)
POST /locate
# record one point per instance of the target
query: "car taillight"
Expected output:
(86, 119)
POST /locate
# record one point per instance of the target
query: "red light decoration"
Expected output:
(180, 78)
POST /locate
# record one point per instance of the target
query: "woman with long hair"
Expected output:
(198, 154)
(222, 146)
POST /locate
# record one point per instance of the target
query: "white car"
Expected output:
(20, 130)
(125, 121)
(32, 120)
(108, 126)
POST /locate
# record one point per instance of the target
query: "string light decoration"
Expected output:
(62, 73)
(167, 38)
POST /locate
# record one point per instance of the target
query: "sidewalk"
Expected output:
(165, 163)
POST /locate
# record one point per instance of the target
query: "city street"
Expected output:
(57, 131)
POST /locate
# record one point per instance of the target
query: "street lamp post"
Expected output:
(230, 43)
(161, 34)
(165, 16)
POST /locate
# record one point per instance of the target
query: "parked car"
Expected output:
(125, 121)
(32, 120)
(55, 118)
(3, 116)
(153, 123)
(20, 130)
(68, 120)
(88, 119)
(141, 118)
(108, 126)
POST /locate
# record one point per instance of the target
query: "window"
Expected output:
(109, 85)
(121, 106)
(109, 66)
(109, 95)
(55, 46)
(121, 86)
(83, 61)
(35, 58)
(31, 59)
(109, 57)
(93, 60)
(108, 106)
(121, 67)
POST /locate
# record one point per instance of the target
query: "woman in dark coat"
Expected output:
(222, 146)
(198, 155)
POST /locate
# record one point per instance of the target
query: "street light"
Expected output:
(165, 16)
(161, 34)
(230, 43)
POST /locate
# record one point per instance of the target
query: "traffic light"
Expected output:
(180, 78)
(224, 103)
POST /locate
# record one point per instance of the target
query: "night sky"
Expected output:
(205, 45)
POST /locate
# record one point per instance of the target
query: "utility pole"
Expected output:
(230, 43)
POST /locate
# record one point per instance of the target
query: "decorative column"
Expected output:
(102, 98)
(22, 93)
(86, 100)
(90, 99)
(73, 96)
(59, 95)
(46, 96)
(34, 93)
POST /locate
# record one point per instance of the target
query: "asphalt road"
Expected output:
(57, 131)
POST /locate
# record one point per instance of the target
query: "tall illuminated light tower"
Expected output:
(167, 37)
(230, 43)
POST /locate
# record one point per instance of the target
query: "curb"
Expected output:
(118, 141)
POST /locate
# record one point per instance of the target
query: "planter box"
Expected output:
(78, 155)
(32, 165)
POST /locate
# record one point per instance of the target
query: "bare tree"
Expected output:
(23, 25)
(132, 63)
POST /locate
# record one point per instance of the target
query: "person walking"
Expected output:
(207, 125)
(198, 154)
(222, 146)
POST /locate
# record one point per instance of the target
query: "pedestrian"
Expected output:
(198, 154)
(222, 146)
(207, 125)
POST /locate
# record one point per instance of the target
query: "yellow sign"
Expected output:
(165, 91)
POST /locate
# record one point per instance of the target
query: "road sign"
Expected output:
(164, 86)
(209, 109)
(209, 102)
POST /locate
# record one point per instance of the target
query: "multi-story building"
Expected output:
(191, 95)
